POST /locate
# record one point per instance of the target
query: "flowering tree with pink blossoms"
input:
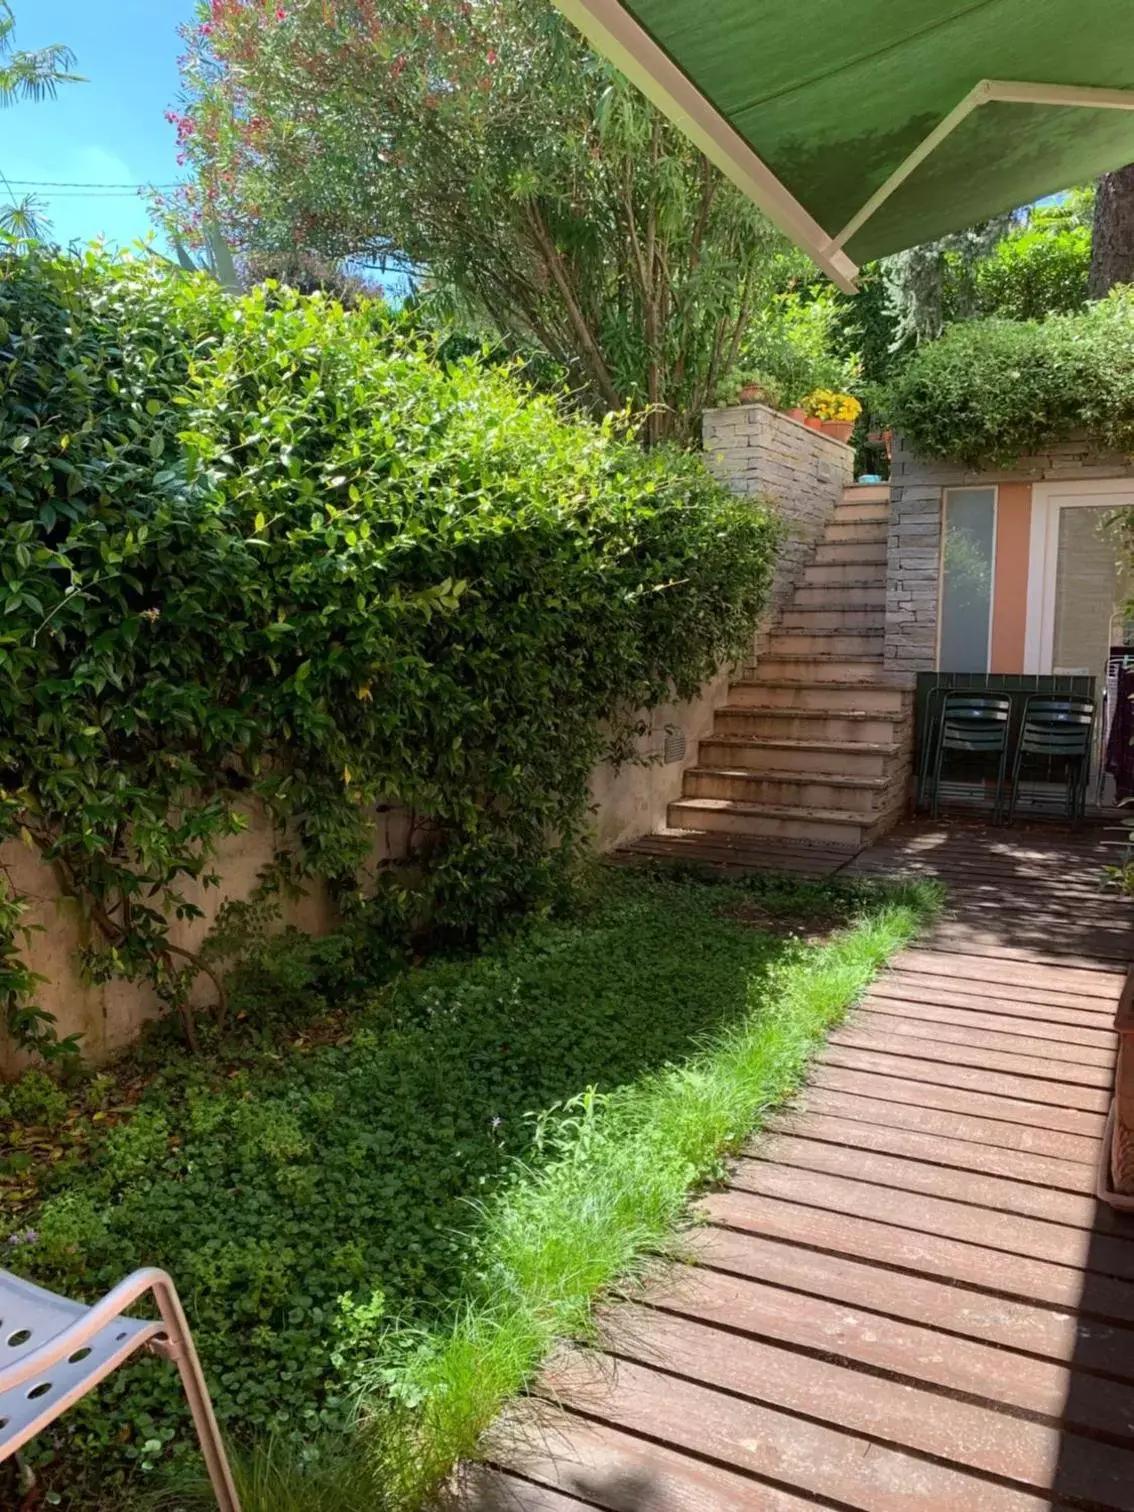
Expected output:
(483, 144)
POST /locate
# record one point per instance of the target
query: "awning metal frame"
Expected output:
(621, 39)
(986, 92)
(615, 34)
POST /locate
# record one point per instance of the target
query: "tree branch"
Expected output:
(589, 345)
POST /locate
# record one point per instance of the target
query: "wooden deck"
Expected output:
(907, 1297)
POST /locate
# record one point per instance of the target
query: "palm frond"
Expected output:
(25, 220)
(37, 75)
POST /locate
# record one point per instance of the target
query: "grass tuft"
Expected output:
(612, 1195)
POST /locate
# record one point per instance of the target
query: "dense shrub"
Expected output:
(990, 391)
(1035, 273)
(263, 545)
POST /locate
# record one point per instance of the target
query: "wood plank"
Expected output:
(1097, 1039)
(623, 1473)
(940, 1151)
(988, 876)
(1053, 1008)
(1047, 1095)
(483, 1489)
(888, 1086)
(815, 1459)
(1041, 942)
(1104, 983)
(1009, 1036)
(908, 1349)
(903, 1173)
(854, 1098)
(927, 1254)
(943, 1305)
(968, 1435)
(1061, 1007)
(963, 1047)
(1031, 1237)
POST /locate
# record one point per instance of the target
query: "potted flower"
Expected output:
(749, 387)
(834, 414)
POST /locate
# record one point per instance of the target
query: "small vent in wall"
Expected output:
(674, 748)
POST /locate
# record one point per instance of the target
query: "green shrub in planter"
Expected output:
(990, 391)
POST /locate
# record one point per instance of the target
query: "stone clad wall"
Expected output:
(758, 451)
(914, 551)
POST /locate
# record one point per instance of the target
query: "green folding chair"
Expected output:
(975, 725)
(1057, 728)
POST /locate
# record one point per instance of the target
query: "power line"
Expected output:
(63, 184)
(97, 194)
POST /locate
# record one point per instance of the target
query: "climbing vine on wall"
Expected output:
(262, 548)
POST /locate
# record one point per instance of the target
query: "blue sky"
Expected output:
(111, 130)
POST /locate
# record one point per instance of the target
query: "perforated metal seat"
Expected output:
(53, 1351)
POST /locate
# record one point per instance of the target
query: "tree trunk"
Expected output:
(1112, 241)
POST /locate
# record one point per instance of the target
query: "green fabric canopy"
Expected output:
(814, 107)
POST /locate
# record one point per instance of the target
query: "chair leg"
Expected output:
(931, 738)
(1001, 783)
(1014, 790)
(182, 1352)
(935, 806)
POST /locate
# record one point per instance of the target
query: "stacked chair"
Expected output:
(977, 728)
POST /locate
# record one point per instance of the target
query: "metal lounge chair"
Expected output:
(1058, 727)
(976, 724)
(53, 1351)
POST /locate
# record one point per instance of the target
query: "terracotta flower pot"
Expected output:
(752, 393)
(838, 430)
(795, 413)
(813, 422)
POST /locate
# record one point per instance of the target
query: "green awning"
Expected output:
(863, 129)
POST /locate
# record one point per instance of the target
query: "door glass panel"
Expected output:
(966, 579)
(1090, 591)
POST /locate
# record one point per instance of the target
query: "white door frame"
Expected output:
(1047, 501)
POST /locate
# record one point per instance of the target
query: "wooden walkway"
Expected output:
(907, 1298)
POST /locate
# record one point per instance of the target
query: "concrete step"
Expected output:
(843, 574)
(854, 509)
(850, 553)
(791, 640)
(866, 493)
(855, 595)
(851, 726)
(865, 532)
(820, 791)
(809, 666)
(833, 617)
(769, 754)
(826, 697)
(846, 830)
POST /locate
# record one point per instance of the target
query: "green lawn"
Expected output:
(410, 1198)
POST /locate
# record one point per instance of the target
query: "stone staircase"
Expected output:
(813, 746)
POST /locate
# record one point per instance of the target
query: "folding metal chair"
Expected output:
(53, 1351)
(976, 724)
(1058, 727)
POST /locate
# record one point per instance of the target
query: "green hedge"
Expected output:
(263, 545)
(990, 391)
